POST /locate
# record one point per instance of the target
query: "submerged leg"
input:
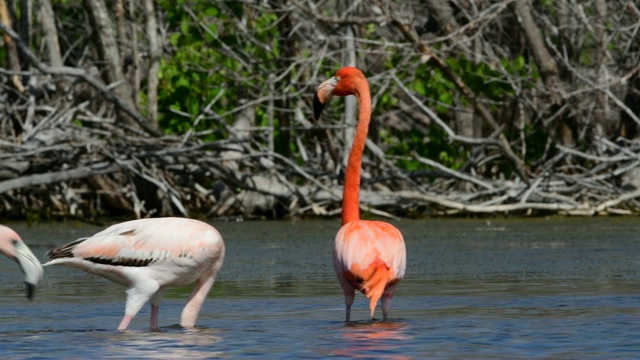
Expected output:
(153, 323)
(387, 296)
(348, 301)
(347, 289)
(349, 295)
(155, 309)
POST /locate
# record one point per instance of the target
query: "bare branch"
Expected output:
(76, 72)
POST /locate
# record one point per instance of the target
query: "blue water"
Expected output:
(561, 288)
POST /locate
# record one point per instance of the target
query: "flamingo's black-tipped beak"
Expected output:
(31, 290)
(317, 106)
(322, 95)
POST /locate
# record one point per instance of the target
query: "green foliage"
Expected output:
(487, 80)
(430, 82)
(189, 78)
(201, 65)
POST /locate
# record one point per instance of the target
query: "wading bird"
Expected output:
(12, 246)
(368, 256)
(147, 256)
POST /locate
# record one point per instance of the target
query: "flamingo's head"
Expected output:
(345, 82)
(12, 246)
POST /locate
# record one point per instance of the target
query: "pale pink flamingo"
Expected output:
(147, 256)
(369, 256)
(12, 246)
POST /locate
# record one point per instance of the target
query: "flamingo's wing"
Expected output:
(142, 242)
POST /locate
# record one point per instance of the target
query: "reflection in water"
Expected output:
(168, 343)
(382, 340)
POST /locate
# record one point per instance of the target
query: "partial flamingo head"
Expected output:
(345, 82)
(12, 246)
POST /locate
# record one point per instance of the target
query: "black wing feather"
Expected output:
(119, 261)
(64, 251)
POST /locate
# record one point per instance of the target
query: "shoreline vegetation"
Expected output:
(132, 109)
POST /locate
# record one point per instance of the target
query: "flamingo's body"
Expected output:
(147, 256)
(12, 246)
(369, 256)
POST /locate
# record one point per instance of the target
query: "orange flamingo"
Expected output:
(369, 255)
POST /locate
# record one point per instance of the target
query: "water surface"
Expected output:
(508, 289)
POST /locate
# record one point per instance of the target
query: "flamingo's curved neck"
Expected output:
(351, 194)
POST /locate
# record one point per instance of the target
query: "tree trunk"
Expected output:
(26, 10)
(605, 126)
(565, 129)
(48, 22)
(13, 61)
(135, 79)
(154, 62)
(565, 22)
(546, 64)
(121, 27)
(108, 52)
